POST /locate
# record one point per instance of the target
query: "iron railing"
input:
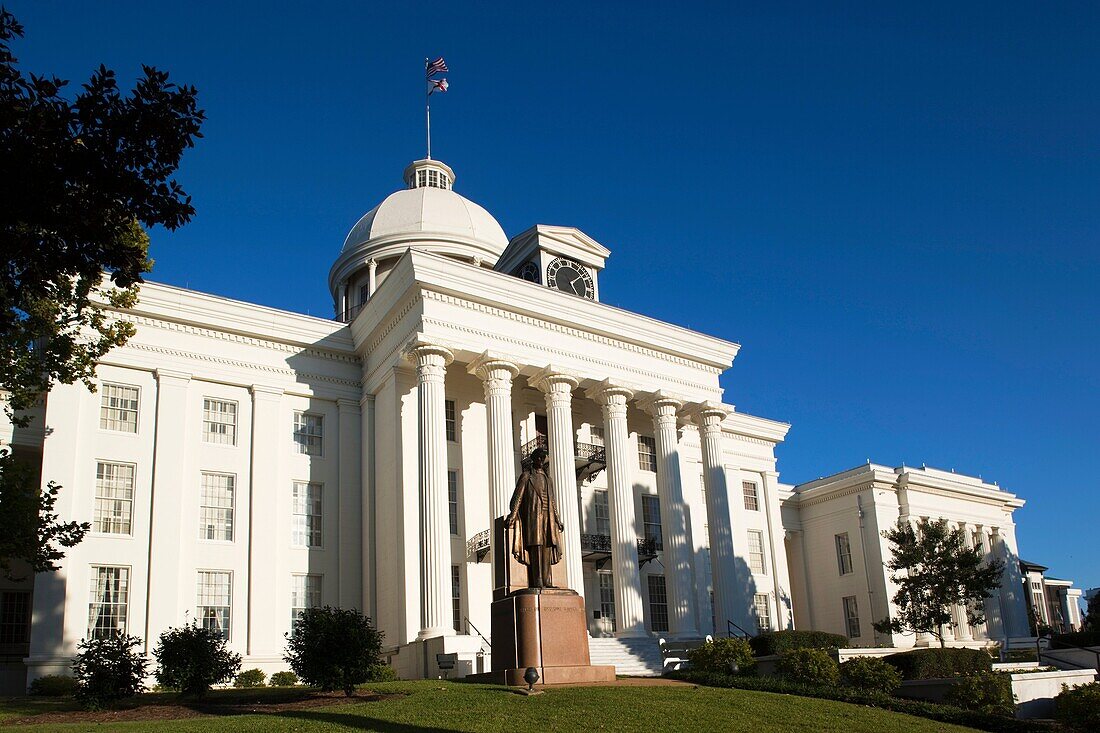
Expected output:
(647, 546)
(478, 544)
(730, 626)
(469, 626)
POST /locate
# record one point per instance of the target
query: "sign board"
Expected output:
(446, 661)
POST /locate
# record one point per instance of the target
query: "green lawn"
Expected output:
(450, 706)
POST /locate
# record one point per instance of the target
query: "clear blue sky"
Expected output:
(893, 210)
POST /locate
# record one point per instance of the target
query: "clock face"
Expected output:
(529, 272)
(570, 277)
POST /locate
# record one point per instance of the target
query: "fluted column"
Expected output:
(372, 277)
(708, 417)
(497, 374)
(629, 619)
(962, 630)
(436, 618)
(676, 535)
(558, 388)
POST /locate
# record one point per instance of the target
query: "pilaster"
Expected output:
(271, 435)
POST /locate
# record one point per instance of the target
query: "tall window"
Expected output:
(851, 617)
(647, 453)
(607, 596)
(658, 603)
(219, 421)
(456, 596)
(752, 501)
(756, 552)
(364, 293)
(309, 433)
(763, 611)
(651, 518)
(843, 553)
(212, 608)
(118, 408)
(109, 601)
(449, 416)
(305, 592)
(216, 507)
(602, 512)
(15, 616)
(306, 519)
(596, 435)
(452, 500)
(114, 498)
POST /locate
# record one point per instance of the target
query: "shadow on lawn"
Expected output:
(358, 720)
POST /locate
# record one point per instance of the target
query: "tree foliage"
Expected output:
(333, 648)
(935, 569)
(108, 669)
(191, 659)
(1091, 622)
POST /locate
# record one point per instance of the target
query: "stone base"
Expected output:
(547, 676)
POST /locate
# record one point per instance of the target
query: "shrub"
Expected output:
(53, 685)
(723, 655)
(1079, 708)
(250, 678)
(191, 658)
(925, 664)
(808, 666)
(382, 673)
(985, 692)
(109, 669)
(1075, 638)
(870, 674)
(777, 642)
(333, 648)
(283, 679)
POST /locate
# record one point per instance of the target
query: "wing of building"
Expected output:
(240, 463)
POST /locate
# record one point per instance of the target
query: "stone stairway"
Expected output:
(634, 657)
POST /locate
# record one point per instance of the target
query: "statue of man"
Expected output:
(536, 536)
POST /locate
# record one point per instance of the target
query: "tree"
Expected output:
(1091, 622)
(108, 669)
(935, 570)
(81, 178)
(191, 658)
(333, 648)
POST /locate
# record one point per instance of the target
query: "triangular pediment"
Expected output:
(558, 240)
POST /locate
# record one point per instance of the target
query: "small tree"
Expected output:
(191, 659)
(333, 648)
(108, 669)
(935, 570)
(1091, 622)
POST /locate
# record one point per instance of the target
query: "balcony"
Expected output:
(478, 546)
(588, 458)
(597, 548)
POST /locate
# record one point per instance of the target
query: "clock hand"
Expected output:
(573, 284)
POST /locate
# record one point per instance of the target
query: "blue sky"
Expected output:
(893, 209)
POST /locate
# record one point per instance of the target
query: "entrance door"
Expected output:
(605, 624)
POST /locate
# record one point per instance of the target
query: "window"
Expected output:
(108, 602)
(309, 431)
(651, 519)
(449, 414)
(843, 553)
(602, 512)
(851, 617)
(364, 293)
(15, 617)
(219, 421)
(118, 406)
(763, 611)
(456, 596)
(213, 605)
(647, 453)
(658, 603)
(216, 507)
(596, 436)
(114, 498)
(752, 501)
(306, 520)
(607, 596)
(756, 552)
(305, 592)
(452, 500)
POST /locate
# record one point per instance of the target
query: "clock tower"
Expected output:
(562, 258)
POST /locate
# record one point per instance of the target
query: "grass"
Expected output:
(450, 706)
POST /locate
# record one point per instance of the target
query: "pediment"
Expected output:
(557, 240)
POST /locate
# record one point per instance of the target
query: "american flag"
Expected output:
(438, 85)
(436, 67)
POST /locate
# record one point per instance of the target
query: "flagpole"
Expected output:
(428, 110)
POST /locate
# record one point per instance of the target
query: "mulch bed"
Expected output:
(177, 709)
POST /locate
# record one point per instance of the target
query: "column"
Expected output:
(367, 507)
(372, 277)
(558, 388)
(270, 434)
(497, 374)
(962, 630)
(431, 362)
(349, 500)
(1013, 601)
(342, 300)
(708, 417)
(923, 638)
(629, 619)
(676, 536)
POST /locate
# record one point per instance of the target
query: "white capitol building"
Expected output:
(239, 463)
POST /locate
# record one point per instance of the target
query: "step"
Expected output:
(633, 657)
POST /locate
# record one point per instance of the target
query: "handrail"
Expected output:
(1039, 652)
(471, 626)
(730, 626)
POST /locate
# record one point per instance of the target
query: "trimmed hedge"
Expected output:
(777, 642)
(986, 692)
(250, 678)
(1075, 638)
(870, 674)
(809, 666)
(717, 656)
(927, 664)
(283, 679)
(53, 685)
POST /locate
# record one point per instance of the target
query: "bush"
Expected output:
(1079, 708)
(985, 692)
(723, 655)
(333, 648)
(191, 658)
(250, 678)
(382, 673)
(777, 642)
(808, 666)
(283, 679)
(870, 674)
(53, 685)
(109, 669)
(926, 664)
(1076, 638)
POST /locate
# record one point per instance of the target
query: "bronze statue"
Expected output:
(536, 527)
